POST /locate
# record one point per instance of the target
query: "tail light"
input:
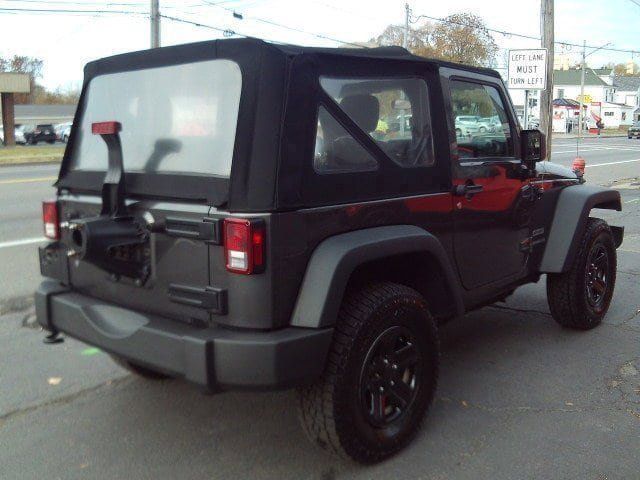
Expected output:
(50, 219)
(244, 245)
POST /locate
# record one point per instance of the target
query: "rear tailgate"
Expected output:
(178, 257)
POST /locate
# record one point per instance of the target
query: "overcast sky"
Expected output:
(67, 41)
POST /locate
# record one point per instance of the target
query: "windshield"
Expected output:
(175, 119)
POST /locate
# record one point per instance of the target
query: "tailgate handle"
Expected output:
(207, 229)
(209, 298)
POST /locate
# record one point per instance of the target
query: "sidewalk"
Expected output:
(603, 134)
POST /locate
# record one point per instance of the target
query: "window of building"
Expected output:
(481, 121)
(394, 112)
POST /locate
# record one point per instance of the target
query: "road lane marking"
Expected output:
(27, 180)
(611, 163)
(588, 150)
(26, 241)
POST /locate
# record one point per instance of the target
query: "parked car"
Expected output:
(40, 133)
(18, 134)
(634, 130)
(62, 131)
(465, 127)
(305, 253)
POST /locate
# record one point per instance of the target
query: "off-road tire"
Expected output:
(567, 292)
(138, 370)
(331, 410)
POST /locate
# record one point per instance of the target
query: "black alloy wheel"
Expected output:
(390, 377)
(597, 276)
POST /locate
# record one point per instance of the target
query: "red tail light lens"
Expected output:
(50, 219)
(244, 242)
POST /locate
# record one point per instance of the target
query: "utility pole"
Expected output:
(155, 23)
(407, 14)
(546, 95)
(582, 70)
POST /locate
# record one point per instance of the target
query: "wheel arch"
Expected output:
(569, 222)
(404, 253)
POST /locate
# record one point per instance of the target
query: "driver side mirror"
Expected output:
(533, 147)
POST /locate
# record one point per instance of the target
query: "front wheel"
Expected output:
(579, 298)
(380, 377)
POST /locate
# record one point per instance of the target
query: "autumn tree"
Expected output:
(461, 37)
(621, 69)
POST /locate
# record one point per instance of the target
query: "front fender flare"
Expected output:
(569, 221)
(335, 259)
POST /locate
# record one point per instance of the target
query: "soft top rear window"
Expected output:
(175, 119)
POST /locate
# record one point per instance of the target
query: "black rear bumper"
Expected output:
(214, 358)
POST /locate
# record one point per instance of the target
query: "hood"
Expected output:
(553, 170)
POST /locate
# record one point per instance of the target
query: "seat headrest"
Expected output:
(364, 109)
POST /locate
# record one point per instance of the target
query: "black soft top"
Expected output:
(276, 121)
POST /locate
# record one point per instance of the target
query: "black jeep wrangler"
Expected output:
(254, 216)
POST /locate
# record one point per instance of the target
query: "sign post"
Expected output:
(527, 71)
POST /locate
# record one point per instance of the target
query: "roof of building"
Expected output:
(572, 77)
(32, 110)
(627, 84)
(603, 71)
(566, 102)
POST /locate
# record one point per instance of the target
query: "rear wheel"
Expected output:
(139, 370)
(580, 297)
(380, 377)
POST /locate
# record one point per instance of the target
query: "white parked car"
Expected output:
(19, 135)
(62, 131)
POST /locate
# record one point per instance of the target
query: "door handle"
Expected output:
(467, 190)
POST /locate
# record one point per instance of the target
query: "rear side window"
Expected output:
(175, 119)
(394, 112)
(336, 151)
(481, 121)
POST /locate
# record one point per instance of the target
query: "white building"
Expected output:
(627, 91)
(613, 115)
(566, 84)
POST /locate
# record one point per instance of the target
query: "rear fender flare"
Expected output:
(336, 258)
(569, 221)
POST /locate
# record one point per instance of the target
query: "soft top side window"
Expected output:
(336, 151)
(394, 112)
(481, 121)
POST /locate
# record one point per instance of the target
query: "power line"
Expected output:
(287, 27)
(514, 34)
(225, 31)
(68, 10)
(635, 2)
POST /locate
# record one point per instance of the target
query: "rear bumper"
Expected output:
(214, 358)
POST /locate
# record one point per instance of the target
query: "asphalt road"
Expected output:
(519, 397)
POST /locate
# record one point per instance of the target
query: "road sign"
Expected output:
(527, 69)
